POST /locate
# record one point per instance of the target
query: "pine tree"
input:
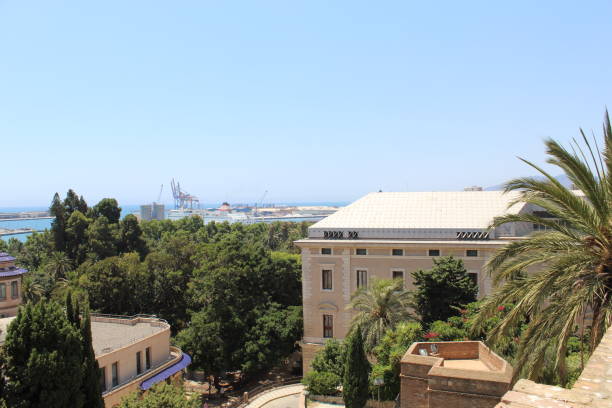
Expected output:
(443, 289)
(43, 364)
(91, 370)
(355, 385)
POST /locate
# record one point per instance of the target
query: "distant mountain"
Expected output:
(563, 179)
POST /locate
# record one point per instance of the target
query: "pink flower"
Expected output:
(501, 308)
(431, 335)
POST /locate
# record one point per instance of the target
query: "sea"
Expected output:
(42, 224)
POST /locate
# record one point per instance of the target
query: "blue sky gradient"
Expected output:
(310, 100)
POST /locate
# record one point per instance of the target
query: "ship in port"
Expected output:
(188, 205)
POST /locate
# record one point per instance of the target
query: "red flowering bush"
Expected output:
(431, 335)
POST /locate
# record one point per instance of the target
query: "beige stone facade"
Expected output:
(130, 351)
(10, 285)
(391, 235)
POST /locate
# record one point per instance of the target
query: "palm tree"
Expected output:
(379, 308)
(562, 275)
(58, 265)
(31, 289)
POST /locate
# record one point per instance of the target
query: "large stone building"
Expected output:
(10, 285)
(390, 235)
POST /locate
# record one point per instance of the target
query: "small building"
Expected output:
(153, 211)
(458, 374)
(10, 285)
(134, 353)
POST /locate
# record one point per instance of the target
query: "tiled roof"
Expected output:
(162, 375)
(4, 257)
(423, 210)
(12, 272)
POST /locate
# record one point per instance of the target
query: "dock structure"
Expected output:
(25, 215)
(17, 231)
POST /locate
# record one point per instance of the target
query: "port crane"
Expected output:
(260, 201)
(160, 194)
(183, 199)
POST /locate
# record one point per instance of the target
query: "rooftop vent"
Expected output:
(473, 188)
(472, 236)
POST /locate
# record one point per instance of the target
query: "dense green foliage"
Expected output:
(388, 355)
(232, 293)
(249, 304)
(330, 358)
(562, 273)
(43, 359)
(160, 396)
(355, 381)
(322, 382)
(90, 387)
(442, 289)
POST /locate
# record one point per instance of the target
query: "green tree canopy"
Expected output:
(440, 291)
(160, 396)
(130, 236)
(108, 208)
(43, 359)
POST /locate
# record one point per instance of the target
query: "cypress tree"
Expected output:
(43, 359)
(355, 384)
(91, 370)
(58, 226)
(70, 309)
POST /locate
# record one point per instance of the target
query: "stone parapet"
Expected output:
(592, 389)
(462, 374)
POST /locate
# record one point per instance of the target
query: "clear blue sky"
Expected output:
(310, 100)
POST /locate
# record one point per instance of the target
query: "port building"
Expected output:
(152, 211)
(390, 235)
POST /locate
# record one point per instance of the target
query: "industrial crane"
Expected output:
(183, 199)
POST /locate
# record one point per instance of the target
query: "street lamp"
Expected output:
(379, 382)
(306, 394)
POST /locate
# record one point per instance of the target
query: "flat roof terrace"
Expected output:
(111, 333)
(466, 370)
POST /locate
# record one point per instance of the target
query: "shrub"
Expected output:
(322, 382)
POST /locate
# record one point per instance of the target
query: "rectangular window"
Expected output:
(14, 290)
(115, 374)
(326, 251)
(474, 277)
(471, 252)
(138, 362)
(328, 326)
(361, 251)
(362, 279)
(434, 252)
(397, 252)
(399, 275)
(103, 378)
(148, 358)
(326, 279)
(2, 291)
